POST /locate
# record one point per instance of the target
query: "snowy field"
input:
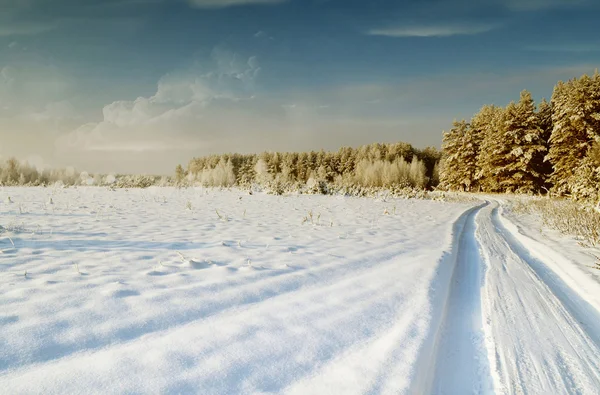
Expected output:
(169, 290)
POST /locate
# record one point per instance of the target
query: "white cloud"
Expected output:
(263, 35)
(453, 14)
(433, 30)
(56, 111)
(185, 104)
(229, 3)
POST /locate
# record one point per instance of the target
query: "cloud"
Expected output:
(263, 35)
(431, 18)
(441, 30)
(186, 104)
(230, 3)
(56, 111)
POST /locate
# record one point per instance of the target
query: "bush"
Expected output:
(566, 216)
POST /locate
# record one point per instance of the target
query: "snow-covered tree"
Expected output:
(544, 120)
(487, 125)
(576, 127)
(458, 168)
(221, 175)
(522, 170)
(179, 174)
(512, 148)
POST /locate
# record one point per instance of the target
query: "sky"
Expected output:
(139, 86)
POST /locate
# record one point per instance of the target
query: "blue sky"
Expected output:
(141, 85)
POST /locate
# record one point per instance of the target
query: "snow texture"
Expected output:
(170, 290)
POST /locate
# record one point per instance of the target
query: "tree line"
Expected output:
(374, 165)
(527, 148)
(16, 173)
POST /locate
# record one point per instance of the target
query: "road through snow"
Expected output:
(512, 326)
(541, 337)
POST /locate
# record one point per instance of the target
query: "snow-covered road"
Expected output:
(512, 325)
(192, 291)
(543, 337)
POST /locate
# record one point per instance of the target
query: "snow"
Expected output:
(544, 338)
(564, 255)
(131, 291)
(169, 290)
(462, 365)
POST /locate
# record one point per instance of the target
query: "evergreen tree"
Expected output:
(522, 170)
(523, 150)
(575, 118)
(459, 159)
(544, 120)
(585, 183)
(486, 124)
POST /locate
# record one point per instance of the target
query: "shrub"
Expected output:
(566, 216)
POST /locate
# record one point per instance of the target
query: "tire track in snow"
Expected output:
(586, 314)
(462, 365)
(537, 330)
(426, 373)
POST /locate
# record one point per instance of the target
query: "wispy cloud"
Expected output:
(433, 30)
(229, 3)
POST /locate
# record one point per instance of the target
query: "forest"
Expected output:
(550, 147)
(375, 165)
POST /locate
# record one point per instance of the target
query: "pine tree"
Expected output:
(459, 159)
(575, 118)
(524, 144)
(544, 120)
(585, 182)
(486, 126)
